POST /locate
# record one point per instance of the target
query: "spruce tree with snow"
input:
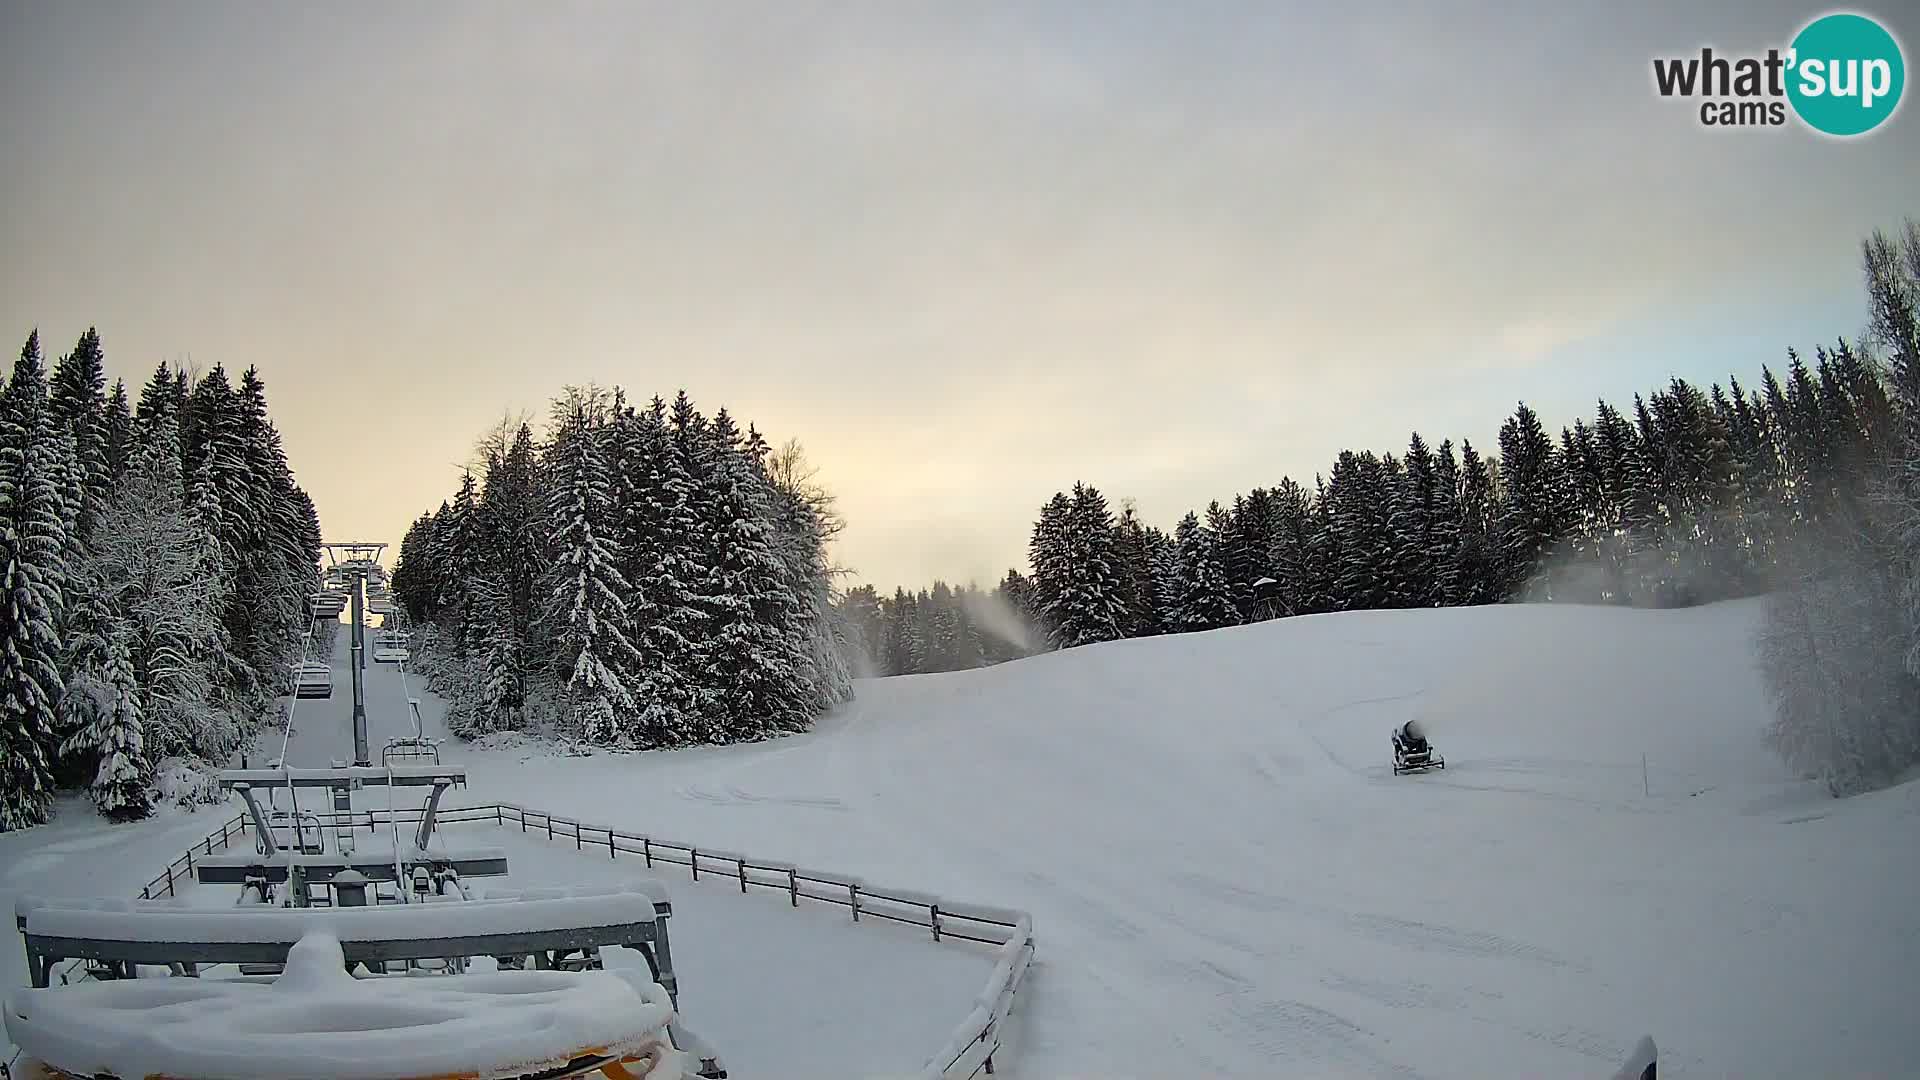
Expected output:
(1050, 558)
(491, 695)
(675, 630)
(1138, 594)
(585, 598)
(1443, 536)
(274, 540)
(1615, 464)
(638, 460)
(158, 398)
(943, 629)
(1323, 550)
(1163, 559)
(861, 610)
(1290, 548)
(1085, 602)
(758, 651)
(227, 674)
(122, 785)
(465, 565)
(1245, 536)
(79, 405)
(1411, 526)
(413, 581)
(512, 517)
(104, 699)
(1205, 602)
(1359, 497)
(1481, 578)
(1534, 523)
(33, 545)
(902, 648)
(117, 436)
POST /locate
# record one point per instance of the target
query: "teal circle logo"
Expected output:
(1845, 74)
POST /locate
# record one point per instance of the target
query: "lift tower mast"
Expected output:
(358, 558)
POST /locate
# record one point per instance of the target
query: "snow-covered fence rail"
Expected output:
(182, 867)
(969, 1051)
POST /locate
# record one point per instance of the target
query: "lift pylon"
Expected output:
(358, 557)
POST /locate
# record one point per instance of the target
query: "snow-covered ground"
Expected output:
(779, 991)
(1225, 877)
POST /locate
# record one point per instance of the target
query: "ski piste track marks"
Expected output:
(1274, 1023)
(1270, 1027)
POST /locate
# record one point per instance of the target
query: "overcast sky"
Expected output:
(967, 253)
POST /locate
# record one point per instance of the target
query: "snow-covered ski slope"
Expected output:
(1226, 879)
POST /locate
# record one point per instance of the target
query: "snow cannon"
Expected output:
(1411, 750)
(316, 1019)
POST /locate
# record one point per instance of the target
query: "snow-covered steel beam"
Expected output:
(264, 935)
(350, 775)
(238, 869)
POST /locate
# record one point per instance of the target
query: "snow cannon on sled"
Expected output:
(1411, 750)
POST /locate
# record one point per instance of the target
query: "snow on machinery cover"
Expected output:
(318, 1020)
(560, 932)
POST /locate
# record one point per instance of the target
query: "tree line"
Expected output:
(157, 559)
(939, 629)
(1805, 487)
(643, 576)
(1684, 498)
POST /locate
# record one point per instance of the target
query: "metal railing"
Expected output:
(969, 1051)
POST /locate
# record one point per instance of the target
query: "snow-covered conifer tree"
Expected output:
(585, 601)
(33, 545)
(1205, 602)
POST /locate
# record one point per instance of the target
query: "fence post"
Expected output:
(499, 815)
(612, 852)
(793, 886)
(853, 899)
(646, 850)
(549, 826)
(693, 860)
(577, 842)
(933, 917)
(743, 875)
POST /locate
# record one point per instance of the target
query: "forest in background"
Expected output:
(641, 576)
(1804, 486)
(158, 556)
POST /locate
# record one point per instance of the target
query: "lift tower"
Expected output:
(358, 558)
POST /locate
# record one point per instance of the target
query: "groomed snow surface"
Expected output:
(1226, 879)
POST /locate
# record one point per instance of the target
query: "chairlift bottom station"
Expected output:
(323, 945)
